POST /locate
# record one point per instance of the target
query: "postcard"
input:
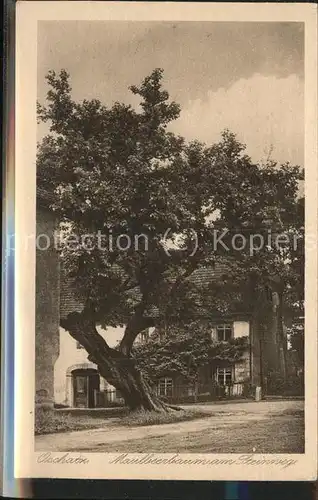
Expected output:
(166, 241)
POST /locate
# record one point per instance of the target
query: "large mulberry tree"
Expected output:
(119, 171)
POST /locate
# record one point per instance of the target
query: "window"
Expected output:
(80, 385)
(224, 332)
(165, 387)
(144, 336)
(224, 375)
(79, 346)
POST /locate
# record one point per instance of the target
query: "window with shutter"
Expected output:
(224, 332)
(224, 375)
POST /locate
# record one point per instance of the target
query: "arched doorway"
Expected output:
(86, 383)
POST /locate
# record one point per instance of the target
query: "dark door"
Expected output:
(80, 391)
(85, 385)
(93, 388)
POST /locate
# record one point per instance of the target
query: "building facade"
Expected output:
(47, 302)
(217, 378)
(78, 384)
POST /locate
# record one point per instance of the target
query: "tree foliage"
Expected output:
(117, 171)
(184, 349)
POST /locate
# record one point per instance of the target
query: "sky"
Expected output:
(248, 77)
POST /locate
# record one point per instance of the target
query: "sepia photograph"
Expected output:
(169, 279)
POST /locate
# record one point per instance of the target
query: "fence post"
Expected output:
(95, 398)
(258, 393)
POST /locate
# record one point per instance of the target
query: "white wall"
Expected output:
(242, 368)
(241, 329)
(70, 356)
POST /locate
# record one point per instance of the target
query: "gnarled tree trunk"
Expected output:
(114, 366)
(121, 372)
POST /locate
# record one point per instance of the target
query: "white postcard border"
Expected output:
(27, 461)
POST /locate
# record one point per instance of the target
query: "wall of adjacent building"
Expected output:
(72, 358)
(47, 308)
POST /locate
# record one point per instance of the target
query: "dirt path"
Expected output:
(224, 420)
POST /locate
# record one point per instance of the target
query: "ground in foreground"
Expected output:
(264, 427)
(48, 421)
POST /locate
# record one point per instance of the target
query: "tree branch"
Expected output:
(83, 329)
(137, 323)
(182, 277)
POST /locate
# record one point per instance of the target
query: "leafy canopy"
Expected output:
(120, 171)
(183, 350)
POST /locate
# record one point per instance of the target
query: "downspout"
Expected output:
(261, 374)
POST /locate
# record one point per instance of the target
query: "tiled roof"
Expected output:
(206, 275)
(69, 299)
(71, 302)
